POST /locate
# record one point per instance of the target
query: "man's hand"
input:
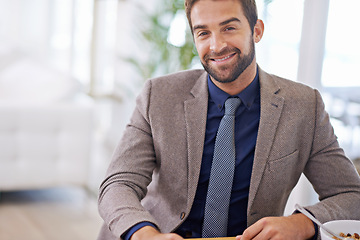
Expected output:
(295, 227)
(150, 233)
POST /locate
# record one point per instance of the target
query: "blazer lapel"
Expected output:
(270, 111)
(195, 117)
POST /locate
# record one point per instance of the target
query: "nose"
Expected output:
(217, 43)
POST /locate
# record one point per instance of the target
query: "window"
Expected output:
(278, 51)
(342, 54)
(53, 35)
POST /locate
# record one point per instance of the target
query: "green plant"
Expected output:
(164, 56)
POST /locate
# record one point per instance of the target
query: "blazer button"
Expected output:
(182, 215)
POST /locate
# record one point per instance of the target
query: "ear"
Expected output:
(258, 30)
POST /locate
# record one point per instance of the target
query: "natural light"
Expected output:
(342, 56)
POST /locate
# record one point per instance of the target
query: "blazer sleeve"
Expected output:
(331, 173)
(129, 172)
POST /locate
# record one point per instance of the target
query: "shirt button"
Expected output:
(182, 215)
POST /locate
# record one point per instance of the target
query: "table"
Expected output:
(221, 238)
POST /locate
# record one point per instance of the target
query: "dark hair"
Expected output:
(249, 8)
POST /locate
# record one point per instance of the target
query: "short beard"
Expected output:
(241, 64)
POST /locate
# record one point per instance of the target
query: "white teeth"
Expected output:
(222, 59)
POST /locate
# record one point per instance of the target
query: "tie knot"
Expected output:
(231, 104)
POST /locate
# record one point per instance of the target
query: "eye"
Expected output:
(229, 28)
(202, 34)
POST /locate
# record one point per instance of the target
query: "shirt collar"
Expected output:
(247, 96)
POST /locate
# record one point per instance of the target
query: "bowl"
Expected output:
(338, 226)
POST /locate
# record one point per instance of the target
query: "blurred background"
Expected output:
(70, 71)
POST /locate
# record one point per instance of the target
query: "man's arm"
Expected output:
(129, 173)
(334, 179)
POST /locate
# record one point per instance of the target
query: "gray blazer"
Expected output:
(154, 171)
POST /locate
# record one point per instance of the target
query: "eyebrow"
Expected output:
(233, 19)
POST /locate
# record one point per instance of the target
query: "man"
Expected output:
(157, 182)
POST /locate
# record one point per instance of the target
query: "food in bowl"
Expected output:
(342, 226)
(348, 236)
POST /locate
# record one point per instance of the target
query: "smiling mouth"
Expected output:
(223, 59)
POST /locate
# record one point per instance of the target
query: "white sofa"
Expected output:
(45, 133)
(44, 146)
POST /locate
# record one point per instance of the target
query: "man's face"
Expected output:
(223, 38)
